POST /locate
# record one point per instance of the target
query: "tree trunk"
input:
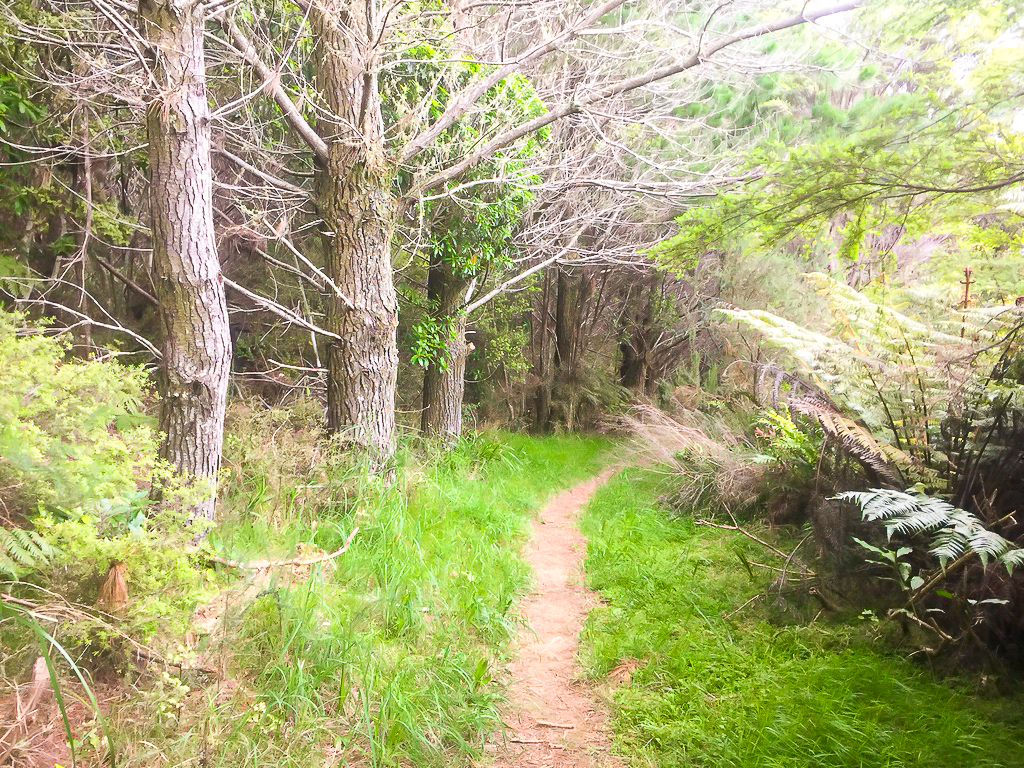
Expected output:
(542, 400)
(189, 286)
(637, 336)
(353, 195)
(567, 331)
(443, 390)
(444, 383)
(362, 366)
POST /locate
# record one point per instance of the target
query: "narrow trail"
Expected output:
(556, 721)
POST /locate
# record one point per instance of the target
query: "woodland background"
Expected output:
(273, 273)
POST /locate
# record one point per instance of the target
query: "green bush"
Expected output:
(77, 457)
(73, 439)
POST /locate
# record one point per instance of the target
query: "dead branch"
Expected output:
(298, 562)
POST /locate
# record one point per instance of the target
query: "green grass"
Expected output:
(747, 692)
(388, 657)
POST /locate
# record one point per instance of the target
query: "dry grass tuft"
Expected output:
(661, 437)
(716, 462)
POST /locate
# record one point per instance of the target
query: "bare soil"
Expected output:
(557, 720)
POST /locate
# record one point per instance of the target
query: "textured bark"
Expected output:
(353, 195)
(188, 282)
(444, 385)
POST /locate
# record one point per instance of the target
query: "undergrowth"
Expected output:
(165, 649)
(719, 684)
(386, 655)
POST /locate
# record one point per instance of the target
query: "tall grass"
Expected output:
(387, 655)
(746, 691)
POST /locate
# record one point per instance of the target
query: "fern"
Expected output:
(854, 439)
(891, 371)
(22, 552)
(955, 532)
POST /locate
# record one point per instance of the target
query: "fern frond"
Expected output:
(948, 545)
(926, 520)
(853, 438)
(988, 544)
(956, 532)
(882, 504)
(22, 551)
(8, 568)
(1013, 559)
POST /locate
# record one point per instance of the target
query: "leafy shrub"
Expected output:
(77, 458)
(971, 600)
(73, 438)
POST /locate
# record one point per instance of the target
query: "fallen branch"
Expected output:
(746, 533)
(298, 562)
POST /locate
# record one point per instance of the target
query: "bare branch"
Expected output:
(277, 309)
(578, 104)
(525, 274)
(468, 98)
(272, 80)
(272, 180)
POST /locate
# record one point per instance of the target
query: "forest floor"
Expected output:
(556, 718)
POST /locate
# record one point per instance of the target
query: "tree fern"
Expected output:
(891, 371)
(22, 552)
(881, 459)
(955, 532)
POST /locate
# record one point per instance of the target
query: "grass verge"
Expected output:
(382, 657)
(748, 692)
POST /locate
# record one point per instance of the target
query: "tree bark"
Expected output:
(637, 339)
(188, 281)
(542, 399)
(443, 390)
(353, 193)
(569, 302)
(362, 366)
(444, 382)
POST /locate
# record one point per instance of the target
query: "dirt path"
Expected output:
(556, 721)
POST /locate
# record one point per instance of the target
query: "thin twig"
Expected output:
(732, 613)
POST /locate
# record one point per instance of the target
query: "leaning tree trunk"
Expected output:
(188, 282)
(353, 196)
(542, 398)
(444, 382)
(567, 320)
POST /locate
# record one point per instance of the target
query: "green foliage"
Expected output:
(15, 105)
(955, 533)
(77, 457)
(715, 683)
(893, 371)
(72, 435)
(432, 338)
(788, 444)
(163, 581)
(931, 153)
(22, 552)
(894, 561)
